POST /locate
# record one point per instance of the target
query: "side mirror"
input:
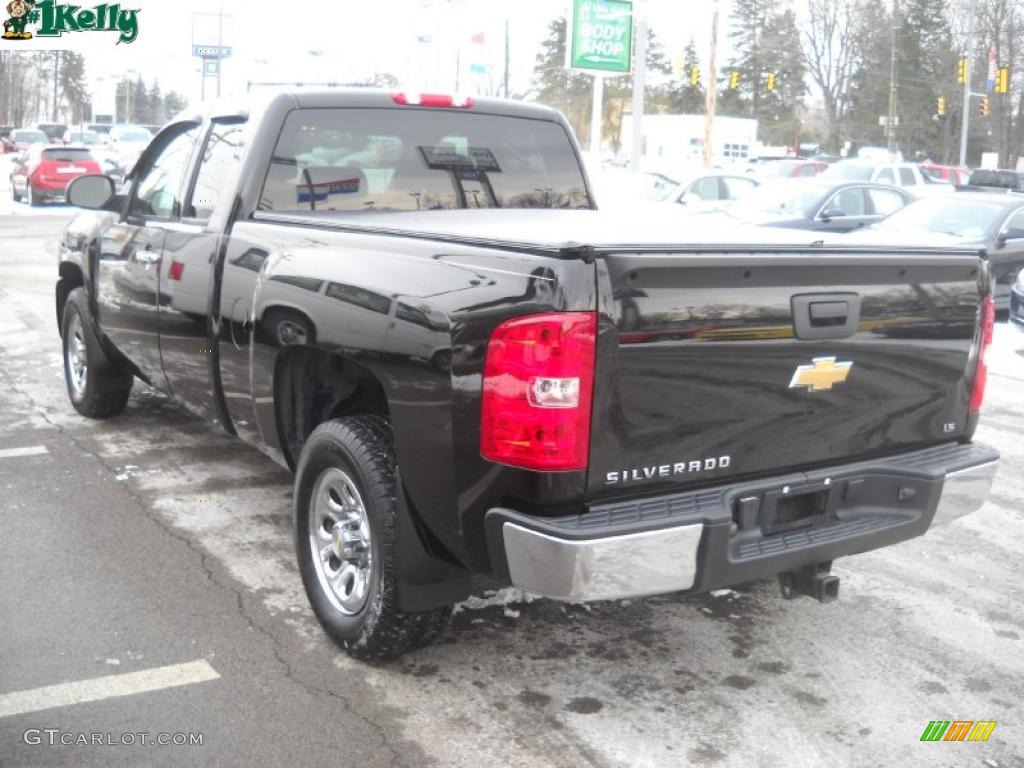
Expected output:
(92, 191)
(689, 198)
(832, 213)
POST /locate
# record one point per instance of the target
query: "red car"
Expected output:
(791, 169)
(950, 173)
(43, 173)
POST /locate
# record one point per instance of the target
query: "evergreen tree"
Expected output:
(566, 90)
(684, 98)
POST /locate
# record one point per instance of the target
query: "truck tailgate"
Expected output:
(714, 365)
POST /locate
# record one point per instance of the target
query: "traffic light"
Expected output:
(734, 80)
(961, 71)
(771, 81)
(694, 76)
(1003, 80)
(983, 106)
(940, 106)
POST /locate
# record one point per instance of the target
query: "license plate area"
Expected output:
(791, 508)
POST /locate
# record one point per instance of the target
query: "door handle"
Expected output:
(825, 315)
(145, 256)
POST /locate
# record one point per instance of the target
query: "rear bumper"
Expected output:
(700, 540)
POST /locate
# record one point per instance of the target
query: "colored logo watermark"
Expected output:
(958, 730)
(51, 19)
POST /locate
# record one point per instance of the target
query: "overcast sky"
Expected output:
(415, 40)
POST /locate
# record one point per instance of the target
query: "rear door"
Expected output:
(127, 272)
(718, 365)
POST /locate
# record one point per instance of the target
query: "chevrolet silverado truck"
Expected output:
(412, 302)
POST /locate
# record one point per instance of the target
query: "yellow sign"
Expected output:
(821, 375)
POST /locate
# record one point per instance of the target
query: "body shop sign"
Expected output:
(602, 35)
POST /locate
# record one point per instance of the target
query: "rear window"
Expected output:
(382, 159)
(63, 154)
(986, 178)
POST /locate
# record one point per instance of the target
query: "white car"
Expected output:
(904, 175)
(126, 143)
(694, 191)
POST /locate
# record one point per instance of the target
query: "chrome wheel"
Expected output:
(339, 540)
(76, 359)
(291, 332)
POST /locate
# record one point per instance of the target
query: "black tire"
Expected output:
(103, 389)
(33, 198)
(362, 447)
(287, 326)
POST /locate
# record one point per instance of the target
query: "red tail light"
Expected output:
(988, 320)
(537, 389)
(433, 100)
(176, 270)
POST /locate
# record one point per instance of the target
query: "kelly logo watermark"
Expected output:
(48, 18)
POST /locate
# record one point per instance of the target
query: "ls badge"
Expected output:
(821, 375)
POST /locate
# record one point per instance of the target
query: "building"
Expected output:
(671, 139)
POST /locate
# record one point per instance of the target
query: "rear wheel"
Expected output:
(33, 198)
(286, 327)
(345, 539)
(97, 387)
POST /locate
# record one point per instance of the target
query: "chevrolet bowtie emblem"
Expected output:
(821, 375)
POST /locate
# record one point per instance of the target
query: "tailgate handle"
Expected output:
(825, 315)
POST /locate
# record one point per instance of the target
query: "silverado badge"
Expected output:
(821, 375)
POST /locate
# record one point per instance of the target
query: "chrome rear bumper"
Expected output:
(615, 551)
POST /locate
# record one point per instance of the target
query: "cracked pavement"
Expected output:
(152, 539)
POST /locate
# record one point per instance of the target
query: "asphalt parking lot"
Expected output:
(150, 587)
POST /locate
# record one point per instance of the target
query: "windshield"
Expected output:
(410, 160)
(949, 215)
(28, 137)
(849, 171)
(782, 199)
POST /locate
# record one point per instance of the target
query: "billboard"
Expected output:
(601, 37)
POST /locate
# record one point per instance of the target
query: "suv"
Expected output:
(905, 175)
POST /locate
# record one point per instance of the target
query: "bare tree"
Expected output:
(830, 53)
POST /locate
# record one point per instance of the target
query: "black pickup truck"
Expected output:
(411, 301)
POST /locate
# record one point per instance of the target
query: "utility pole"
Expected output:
(965, 121)
(711, 95)
(220, 46)
(506, 60)
(890, 124)
(639, 85)
(596, 112)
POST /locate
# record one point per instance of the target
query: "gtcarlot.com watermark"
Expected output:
(57, 737)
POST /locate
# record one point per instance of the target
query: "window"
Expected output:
(808, 170)
(157, 190)
(737, 187)
(885, 201)
(385, 159)
(68, 155)
(907, 178)
(886, 176)
(735, 151)
(704, 189)
(849, 200)
(360, 297)
(252, 259)
(1014, 228)
(222, 156)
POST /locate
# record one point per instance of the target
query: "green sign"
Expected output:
(602, 35)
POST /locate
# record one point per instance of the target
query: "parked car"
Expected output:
(904, 175)
(952, 174)
(54, 131)
(126, 143)
(785, 169)
(1012, 181)
(102, 129)
(1017, 301)
(698, 191)
(23, 138)
(43, 173)
(81, 136)
(991, 221)
(820, 204)
(559, 445)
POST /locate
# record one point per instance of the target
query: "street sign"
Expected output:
(212, 51)
(602, 36)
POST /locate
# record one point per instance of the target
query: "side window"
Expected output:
(849, 200)
(885, 201)
(907, 178)
(808, 170)
(222, 156)
(705, 189)
(737, 187)
(886, 176)
(157, 192)
(1015, 225)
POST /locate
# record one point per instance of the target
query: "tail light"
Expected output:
(537, 389)
(988, 320)
(432, 100)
